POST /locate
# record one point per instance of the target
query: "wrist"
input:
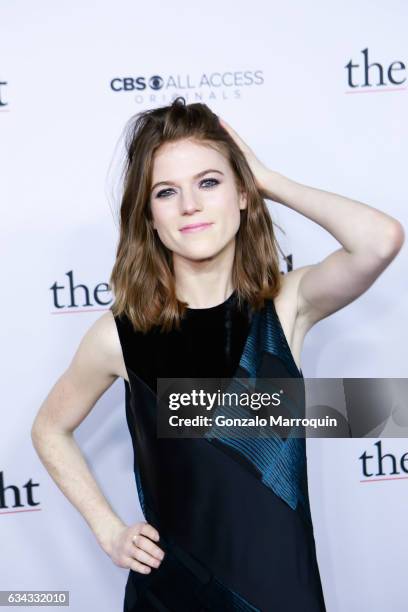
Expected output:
(275, 186)
(107, 531)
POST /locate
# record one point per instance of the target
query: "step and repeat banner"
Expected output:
(319, 91)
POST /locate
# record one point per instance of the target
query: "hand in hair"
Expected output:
(259, 170)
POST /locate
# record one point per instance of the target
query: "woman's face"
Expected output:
(196, 186)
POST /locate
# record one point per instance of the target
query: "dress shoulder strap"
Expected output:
(126, 335)
(276, 339)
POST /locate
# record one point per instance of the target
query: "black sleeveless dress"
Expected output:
(233, 515)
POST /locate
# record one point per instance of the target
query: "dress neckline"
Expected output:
(212, 309)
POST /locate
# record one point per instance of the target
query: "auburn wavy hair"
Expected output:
(142, 278)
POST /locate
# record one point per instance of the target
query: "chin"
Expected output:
(200, 255)
(200, 252)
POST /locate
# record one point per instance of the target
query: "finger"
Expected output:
(148, 546)
(235, 136)
(136, 566)
(144, 557)
(149, 531)
(227, 126)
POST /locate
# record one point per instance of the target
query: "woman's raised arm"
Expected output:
(369, 238)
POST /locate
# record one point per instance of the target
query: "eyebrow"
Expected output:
(194, 177)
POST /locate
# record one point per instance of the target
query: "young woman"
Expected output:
(198, 293)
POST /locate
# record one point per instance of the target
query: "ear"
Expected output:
(243, 201)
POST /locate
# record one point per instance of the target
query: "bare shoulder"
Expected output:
(294, 325)
(105, 335)
(99, 351)
(94, 367)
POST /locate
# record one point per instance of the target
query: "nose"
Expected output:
(189, 204)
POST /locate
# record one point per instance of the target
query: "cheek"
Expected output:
(161, 218)
(230, 217)
(165, 227)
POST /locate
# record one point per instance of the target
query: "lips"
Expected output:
(194, 227)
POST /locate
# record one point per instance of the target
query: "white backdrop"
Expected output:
(278, 73)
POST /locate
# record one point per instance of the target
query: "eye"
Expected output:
(213, 180)
(160, 193)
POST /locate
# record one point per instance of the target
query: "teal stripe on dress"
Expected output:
(281, 463)
(275, 340)
(238, 602)
(140, 491)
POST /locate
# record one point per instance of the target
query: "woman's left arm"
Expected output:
(370, 239)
